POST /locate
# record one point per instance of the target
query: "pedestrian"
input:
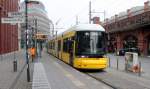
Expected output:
(32, 53)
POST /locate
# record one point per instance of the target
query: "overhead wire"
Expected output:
(114, 4)
(81, 11)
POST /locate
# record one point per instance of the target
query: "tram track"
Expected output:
(119, 80)
(103, 81)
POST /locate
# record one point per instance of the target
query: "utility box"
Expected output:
(132, 62)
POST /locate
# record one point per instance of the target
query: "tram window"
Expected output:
(53, 45)
(59, 45)
(68, 44)
(65, 45)
(90, 43)
(50, 45)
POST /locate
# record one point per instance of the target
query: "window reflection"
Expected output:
(90, 43)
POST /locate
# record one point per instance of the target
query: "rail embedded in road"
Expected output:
(120, 80)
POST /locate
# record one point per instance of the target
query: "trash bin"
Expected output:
(132, 62)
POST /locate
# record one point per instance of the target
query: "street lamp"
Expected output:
(35, 34)
(52, 29)
(27, 40)
(51, 25)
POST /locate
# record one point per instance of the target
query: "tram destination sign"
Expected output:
(12, 20)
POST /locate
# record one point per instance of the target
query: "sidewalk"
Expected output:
(145, 64)
(59, 75)
(9, 78)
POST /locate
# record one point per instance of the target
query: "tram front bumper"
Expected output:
(94, 63)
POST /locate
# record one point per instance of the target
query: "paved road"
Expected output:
(122, 80)
(62, 76)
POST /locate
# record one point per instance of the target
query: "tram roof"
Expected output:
(87, 27)
(84, 27)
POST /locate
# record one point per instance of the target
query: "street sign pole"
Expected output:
(27, 40)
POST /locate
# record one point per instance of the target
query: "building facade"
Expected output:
(130, 29)
(37, 19)
(8, 33)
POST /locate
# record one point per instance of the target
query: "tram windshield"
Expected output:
(90, 43)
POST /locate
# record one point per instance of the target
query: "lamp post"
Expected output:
(52, 29)
(35, 34)
(36, 38)
(27, 40)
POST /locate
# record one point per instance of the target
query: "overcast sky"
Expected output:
(65, 11)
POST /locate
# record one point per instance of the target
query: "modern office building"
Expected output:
(38, 20)
(8, 32)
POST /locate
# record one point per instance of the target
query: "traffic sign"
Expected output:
(12, 20)
(15, 14)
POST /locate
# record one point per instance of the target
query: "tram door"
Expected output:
(59, 49)
(71, 50)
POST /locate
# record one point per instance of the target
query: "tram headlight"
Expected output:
(83, 56)
(104, 56)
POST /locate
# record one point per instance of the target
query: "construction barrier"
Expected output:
(132, 62)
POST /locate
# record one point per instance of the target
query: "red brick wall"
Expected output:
(8, 33)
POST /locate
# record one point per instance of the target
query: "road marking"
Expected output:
(74, 80)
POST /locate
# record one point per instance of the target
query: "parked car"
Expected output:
(122, 52)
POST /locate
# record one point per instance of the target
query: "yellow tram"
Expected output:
(82, 46)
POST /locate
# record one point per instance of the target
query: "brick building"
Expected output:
(8, 33)
(130, 29)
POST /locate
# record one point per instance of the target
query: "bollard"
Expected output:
(139, 69)
(117, 63)
(15, 66)
(125, 65)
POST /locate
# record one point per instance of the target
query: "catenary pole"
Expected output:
(90, 12)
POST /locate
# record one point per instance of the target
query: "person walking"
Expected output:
(32, 52)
